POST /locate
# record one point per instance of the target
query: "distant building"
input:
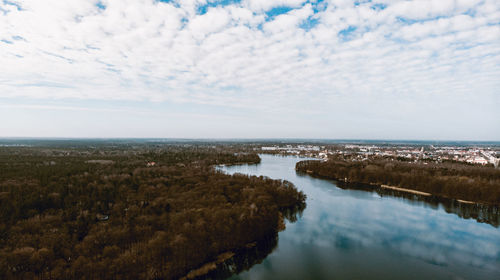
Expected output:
(477, 160)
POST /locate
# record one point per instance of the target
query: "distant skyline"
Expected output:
(387, 70)
(43, 141)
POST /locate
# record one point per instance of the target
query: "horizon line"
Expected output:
(233, 139)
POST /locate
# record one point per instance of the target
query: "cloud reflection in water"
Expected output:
(352, 233)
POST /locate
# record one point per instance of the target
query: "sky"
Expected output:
(335, 69)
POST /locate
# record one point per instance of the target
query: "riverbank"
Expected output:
(405, 190)
(235, 261)
(481, 212)
(374, 186)
(423, 193)
(466, 184)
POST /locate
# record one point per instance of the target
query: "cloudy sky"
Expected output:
(380, 69)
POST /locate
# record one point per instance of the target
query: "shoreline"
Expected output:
(468, 201)
(410, 191)
(400, 189)
(429, 194)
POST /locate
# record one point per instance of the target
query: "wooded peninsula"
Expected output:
(454, 180)
(130, 213)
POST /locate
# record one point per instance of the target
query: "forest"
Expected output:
(451, 180)
(115, 212)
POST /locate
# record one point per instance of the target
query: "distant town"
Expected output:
(487, 153)
(481, 155)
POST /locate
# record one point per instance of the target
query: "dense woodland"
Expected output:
(452, 180)
(110, 213)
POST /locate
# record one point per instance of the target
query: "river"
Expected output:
(355, 234)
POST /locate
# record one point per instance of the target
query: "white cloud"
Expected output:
(212, 21)
(290, 20)
(309, 59)
(422, 9)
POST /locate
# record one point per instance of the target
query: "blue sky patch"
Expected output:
(360, 2)
(409, 21)
(309, 23)
(204, 8)
(175, 3)
(378, 6)
(184, 22)
(318, 6)
(71, 61)
(406, 20)
(347, 33)
(18, 7)
(274, 12)
(101, 6)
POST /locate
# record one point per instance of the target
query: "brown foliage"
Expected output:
(75, 219)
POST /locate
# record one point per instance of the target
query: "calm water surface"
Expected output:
(352, 234)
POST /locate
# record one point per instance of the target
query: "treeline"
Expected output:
(452, 180)
(92, 215)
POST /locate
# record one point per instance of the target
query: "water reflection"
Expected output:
(359, 234)
(482, 213)
(292, 214)
(246, 257)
